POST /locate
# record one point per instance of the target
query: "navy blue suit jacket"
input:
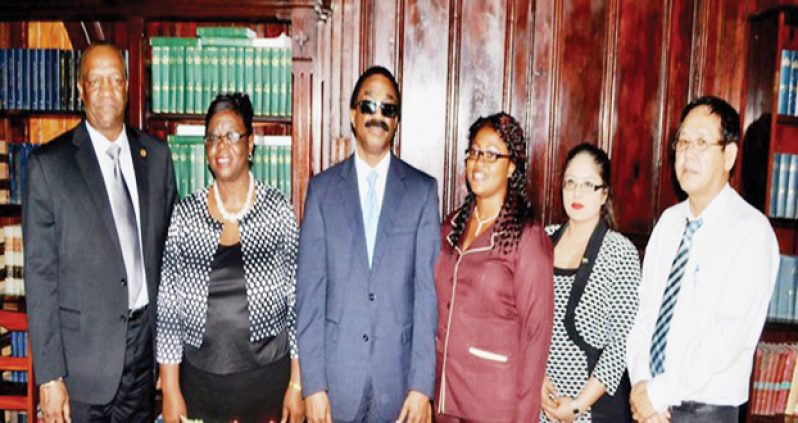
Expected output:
(354, 322)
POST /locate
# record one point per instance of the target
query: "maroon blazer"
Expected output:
(495, 314)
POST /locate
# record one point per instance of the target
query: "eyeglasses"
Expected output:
(488, 156)
(230, 138)
(369, 107)
(699, 145)
(572, 185)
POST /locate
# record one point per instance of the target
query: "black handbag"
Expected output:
(608, 408)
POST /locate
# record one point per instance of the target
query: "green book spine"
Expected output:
(180, 80)
(185, 156)
(225, 31)
(155, 91)
(231, 70)
(285, 82)
(249, 77)
(173, 71)
(197, 162)
(265, 83)
(175, 150)
(257, 163)
(188, 99)
(240, 71)
(198, 85)
(273, 176)
(165, 71)
(254, 79)
(207, 60)
(287, 171)
(222, 70)
(215, 71)
(274, 78)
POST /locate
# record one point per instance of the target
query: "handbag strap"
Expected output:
(578, 288)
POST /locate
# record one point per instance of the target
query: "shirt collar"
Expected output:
(363, 168)
(715, 207)
(101, 143)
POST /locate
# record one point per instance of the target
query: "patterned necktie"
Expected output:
(126, 227)
(371, 214)
(660, 337)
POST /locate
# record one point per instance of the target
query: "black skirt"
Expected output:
(250, 396)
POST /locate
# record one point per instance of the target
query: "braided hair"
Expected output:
(517, 208)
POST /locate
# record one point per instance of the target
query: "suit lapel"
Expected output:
(139, 155)
(391, 204)
(92, 175)
(350, 202)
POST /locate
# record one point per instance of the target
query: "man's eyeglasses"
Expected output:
(488, 156)
(230, 138)
(699, 145)
(369, 107)
(573, 185)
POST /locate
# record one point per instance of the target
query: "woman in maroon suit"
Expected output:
(494, 285)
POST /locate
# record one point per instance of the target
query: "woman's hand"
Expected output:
(548, 397)
(562, 411)
(174, 406)
(293, 406)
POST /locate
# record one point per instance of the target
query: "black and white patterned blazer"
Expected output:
(269, 242)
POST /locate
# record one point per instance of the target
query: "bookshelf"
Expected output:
(771, 141)
(130, 25)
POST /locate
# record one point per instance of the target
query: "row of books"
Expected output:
(15, 344)
(271, 160)
(783, 301)
(12, 261)
(13, 162)
(16, 417)
(775, 380)
(788, 83)
(39, 79)
(188, 73)
(784, 186)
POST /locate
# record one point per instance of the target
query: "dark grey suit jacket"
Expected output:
(74, 272)
(353, 322)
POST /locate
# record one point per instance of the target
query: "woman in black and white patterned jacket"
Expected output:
(596, 275)
(226, 341)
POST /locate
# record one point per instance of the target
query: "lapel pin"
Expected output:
(585, 260)
(143, 153)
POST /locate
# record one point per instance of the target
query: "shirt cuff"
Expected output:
(660, 393)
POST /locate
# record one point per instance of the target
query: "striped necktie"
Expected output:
(659, 340)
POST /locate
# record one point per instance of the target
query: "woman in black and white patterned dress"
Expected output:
(596, 274)
(226, 341)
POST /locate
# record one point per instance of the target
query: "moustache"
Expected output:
(378, 123)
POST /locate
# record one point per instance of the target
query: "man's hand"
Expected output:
(174, 406)
(642, 409)
(317, 408)
(417, 409)
(293, 407)
(55, 402)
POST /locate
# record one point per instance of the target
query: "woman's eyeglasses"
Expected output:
(573, 185)
(369, 107)
(230, 138)
(487, 156)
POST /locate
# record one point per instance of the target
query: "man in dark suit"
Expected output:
(366, 305)
(95, 216)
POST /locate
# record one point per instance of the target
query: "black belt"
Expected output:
(136, 314)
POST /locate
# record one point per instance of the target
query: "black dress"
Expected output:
(228, 377)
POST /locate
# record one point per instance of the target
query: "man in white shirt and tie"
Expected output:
(709, 270)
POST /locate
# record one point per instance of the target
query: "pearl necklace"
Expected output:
(234, 217)
(481, 222)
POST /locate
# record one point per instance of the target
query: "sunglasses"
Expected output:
(369, 107)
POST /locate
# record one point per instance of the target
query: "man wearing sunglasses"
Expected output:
(366, 304)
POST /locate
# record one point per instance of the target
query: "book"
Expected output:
(225, 32)
(793, 91)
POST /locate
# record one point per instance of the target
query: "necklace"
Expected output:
(481, 222)
(234, 217)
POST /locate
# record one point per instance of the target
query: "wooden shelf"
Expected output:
(14, 363)
(284, 120)
(40, 113)
(13, 402)
(787, 120)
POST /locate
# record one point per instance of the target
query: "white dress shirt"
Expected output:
(101, 145)
(721, 307)
(362, 169)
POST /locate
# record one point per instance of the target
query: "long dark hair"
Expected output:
(517, 209)
(602, 161)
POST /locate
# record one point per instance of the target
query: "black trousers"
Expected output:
(135, 398)
(696, 412)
